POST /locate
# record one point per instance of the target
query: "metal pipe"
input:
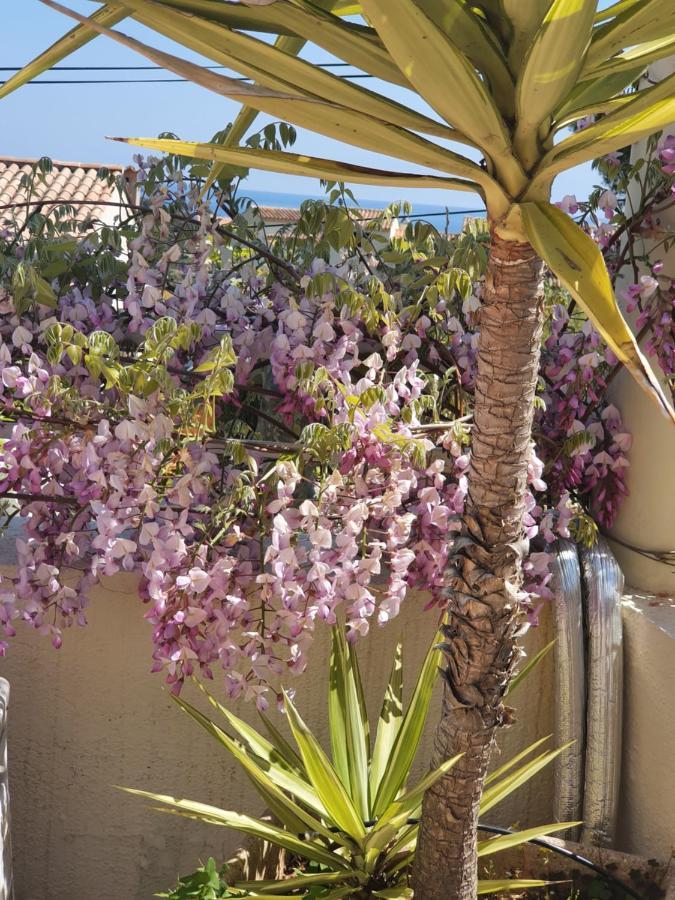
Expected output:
(570, 685)
(603, 586)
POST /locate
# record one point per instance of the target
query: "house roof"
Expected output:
(283, 215)
(80, 182)
(67, 182)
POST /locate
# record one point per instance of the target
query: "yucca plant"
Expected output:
(503, 79)
(352, 818)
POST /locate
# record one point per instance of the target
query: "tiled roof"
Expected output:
(283, 215)
(66, 182)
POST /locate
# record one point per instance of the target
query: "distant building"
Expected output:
(100, 192)
(276, 217)
(95, 191)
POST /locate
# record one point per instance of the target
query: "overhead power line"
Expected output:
(150, 80)
(350, 77)
(144, 68)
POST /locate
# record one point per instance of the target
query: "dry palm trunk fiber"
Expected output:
(485, 572)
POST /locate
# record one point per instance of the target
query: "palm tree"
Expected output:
(503, 79)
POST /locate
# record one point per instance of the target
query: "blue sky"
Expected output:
(70, 122)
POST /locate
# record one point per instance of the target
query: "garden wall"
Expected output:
(91, 716)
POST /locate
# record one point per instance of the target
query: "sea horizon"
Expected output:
(289, 200)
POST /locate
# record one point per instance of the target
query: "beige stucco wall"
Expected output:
(647, 816)
(91, 715)
(647, 520)
(647, 516)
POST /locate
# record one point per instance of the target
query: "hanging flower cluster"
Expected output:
(626, 218)
(585, 436)
(270, 432)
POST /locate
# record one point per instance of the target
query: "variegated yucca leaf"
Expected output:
(266, 831)
(550, 70)
(531, 664)
(331, 119)
(648, 111)
(298, 164)
(389, 723)
(348, 722)
(508, 884)
(508, 841)
(634, 23)
(576, 259)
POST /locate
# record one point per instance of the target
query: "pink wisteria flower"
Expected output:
(568, 204)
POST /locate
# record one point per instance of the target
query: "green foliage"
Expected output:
(206, 883)
(352, 817)
(584, 529)
(58, 243)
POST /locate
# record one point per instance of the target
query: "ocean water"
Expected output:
(424, 211)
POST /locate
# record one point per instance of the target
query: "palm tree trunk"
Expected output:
(484, 575)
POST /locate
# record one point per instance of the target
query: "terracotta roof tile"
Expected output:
(66, 182)
(284, 215)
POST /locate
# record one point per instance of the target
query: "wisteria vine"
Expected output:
(274, 430)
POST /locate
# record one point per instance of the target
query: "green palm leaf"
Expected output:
(576, 259)
(69, 43)
(248, 825)
(324, 778)
(389, 723)
(298, 164)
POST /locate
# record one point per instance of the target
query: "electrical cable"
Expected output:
(152, 69)
(147, 80)
(569, 854)
(144, 68)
